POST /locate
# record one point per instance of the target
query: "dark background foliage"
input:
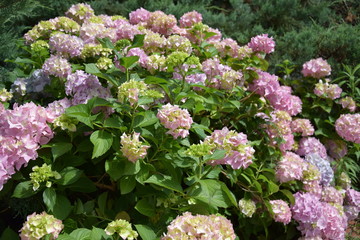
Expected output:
(302, 29)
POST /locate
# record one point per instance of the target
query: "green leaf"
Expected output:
(69, 175)
(81, 234)
(129, 62)
(60, 148)
(99, 234)
(91, 68)
(127, 184)
(102, 200)
(145, 232)
(23, 190)
(84, 185)
(113, 122)
(289, 195)
(102, 141)
(165, 181)
(148, 118)
(145, 208)
(9, 234)
(155, 80)
(218, 154)
(66, 237)
(138, 41)
(106, 42)
(62, 207)
(82, 113)
(49, 198)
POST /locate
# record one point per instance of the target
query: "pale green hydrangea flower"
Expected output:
(247, 207)
(104, 63)
(121, 227)
(66, 123)
(43, 174)
(5, 95)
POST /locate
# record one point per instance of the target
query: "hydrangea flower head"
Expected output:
(316, 68)
(247, 207)
(187, 226)
(348, 103)
(66, 45)
(281, 99)
(332, 195)
(42, 174)
(161, 23)
(39, 225)
(57, 66)
(239, 153)
(307, 208)
(5, 95)
(348, 127)
(308, 145)
(138, 16)
(326, 90)
(121, 227)
(80, 12)
(265, 84)
(262, 43)
(177, 120)
(302, 126)
(132, 148)
(282, 212)
(327, 174)
(290, 168)
(336, 148)
(190, 18)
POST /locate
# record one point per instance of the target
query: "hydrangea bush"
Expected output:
(149, 128)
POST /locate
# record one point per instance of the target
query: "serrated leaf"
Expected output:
(69, 175)
(102, 141)
(145, 232)
(129, 62)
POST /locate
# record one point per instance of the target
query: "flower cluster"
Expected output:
(66, 45)
(262, 43)
(247, 207)
(57, 66)
(188, 226)
(42, 174)
(39, 225)
(302, 126)
(265, 84)
(132, 148)
(348, 127)
(177, 120)
(282, 212)
(326, 90)
(316, 68)
(5, 95)
(22, 131)
(348, 103)
(239, 153)
(327, 174)
(308, 145)
(121, 227)
(290, 168)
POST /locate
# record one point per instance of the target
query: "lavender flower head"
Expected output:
(327, 174)
(57, 66)
(262, 43)
(316, 68)
(282, 212)
(177, 120)
(348, 127)
(66, 45)
(188, 226)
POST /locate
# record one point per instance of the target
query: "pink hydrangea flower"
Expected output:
(190, 18)
(332, 195)
(316, 68)
(302, 126)
(281, 99)
(188, 226)
(239, 153)
(57, 66)
(326, 90)
(265, 84)
(177, 120)
(132, 148)
(290, 168)
(126, 31)
(80, 12)
(353, 198)
(138, 16)
(140, 53)
(66, 45)
(161, 23)
(308, 145)
(227, 47)
(57, 108)
(307, 208)
(348, 103)
(348, 127)
(262, 43)
(282, 212)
